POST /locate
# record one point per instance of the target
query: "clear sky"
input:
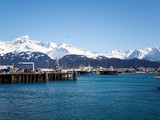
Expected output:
(95, 25)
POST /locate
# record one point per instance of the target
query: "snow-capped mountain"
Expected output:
(115, 54)
(25, 44)
(151, 54)
(40, 59)
(139, 54)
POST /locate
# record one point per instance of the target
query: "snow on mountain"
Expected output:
(115, 54)
(25, 44)
(65, 49)
(139, 54)
(57, 53)
(78, 51)
(153, 54)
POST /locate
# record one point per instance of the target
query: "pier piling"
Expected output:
(23, 77)
(75, 76)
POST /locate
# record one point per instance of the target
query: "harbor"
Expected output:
(27, 73)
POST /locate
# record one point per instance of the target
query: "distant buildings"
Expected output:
(26, 66)
(6, 68)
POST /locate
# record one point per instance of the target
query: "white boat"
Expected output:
(157, 77)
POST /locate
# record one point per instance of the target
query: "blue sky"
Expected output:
(95, 25)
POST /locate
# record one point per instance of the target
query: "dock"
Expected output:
(24, 77)
(109, 72)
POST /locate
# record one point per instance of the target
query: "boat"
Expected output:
(111, 71)
(140, 72)
(158, 75)
(108, 72)
(87, 73)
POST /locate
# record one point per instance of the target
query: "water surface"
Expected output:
(123, 97)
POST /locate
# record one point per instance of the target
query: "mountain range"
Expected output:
(25, 44)
(43, 54)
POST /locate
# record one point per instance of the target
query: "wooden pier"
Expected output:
(23, 77)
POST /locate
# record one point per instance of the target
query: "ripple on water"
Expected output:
(124, 96)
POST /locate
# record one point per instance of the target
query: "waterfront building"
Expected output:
(26, 66)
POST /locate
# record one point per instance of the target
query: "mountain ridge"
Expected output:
(42, 60)
(53, 50)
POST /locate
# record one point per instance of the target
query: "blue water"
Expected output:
(123, 97)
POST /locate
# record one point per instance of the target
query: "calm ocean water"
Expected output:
(120, 97)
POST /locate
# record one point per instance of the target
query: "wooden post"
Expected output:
(58, 76)
(15, 77)
(52, 75)
(12, 79)
(34, 75)
(74, 75)
(19, 78)
(55, 76)
(41, 77)
(23, 78)
(27, 78)
(38, 77)
(31, 78)
(0, 79)
(62, 76)
(67, 76)
(46, 77)
(49, 76)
